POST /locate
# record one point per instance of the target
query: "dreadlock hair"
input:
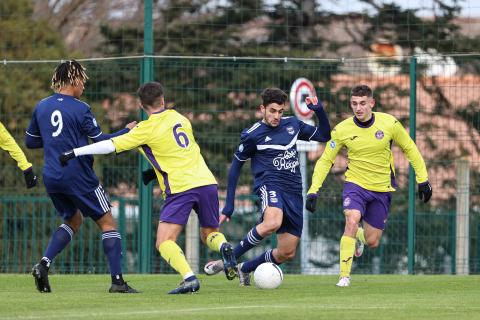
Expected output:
(67, 73)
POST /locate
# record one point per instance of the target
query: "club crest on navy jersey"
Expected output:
(290, 130)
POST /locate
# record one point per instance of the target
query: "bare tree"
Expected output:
(79, 21)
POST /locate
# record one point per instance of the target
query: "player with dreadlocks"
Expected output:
(68, 73)
(61, 122)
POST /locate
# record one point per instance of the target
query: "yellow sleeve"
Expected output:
(325, 163)
(132, 139)
(409, 148)
(8, 144)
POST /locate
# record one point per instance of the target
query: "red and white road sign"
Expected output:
(301, 88)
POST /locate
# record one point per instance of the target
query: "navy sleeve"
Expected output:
(92, 129)
(247, 146)
(233, 175)
(245, 150)
(33, 142)
(106, 136)
(320, 133)
(33, 137)
(90, 126)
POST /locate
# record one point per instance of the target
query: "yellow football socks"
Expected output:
(361, 235)
(347, 248)
(175, 257)
(215, 241)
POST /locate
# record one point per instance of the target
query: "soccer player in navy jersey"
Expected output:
(8, 144)
(61, 122)
(271, 146)
(370, 175)
(166, 140)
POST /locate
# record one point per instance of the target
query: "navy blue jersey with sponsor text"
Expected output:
(273, 152)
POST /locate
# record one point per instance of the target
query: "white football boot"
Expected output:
(359, 246)
(343, 282)
(213, 267)
(244, 278)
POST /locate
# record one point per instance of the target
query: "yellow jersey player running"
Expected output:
(370, 175)
(166, 140)
(8, 144)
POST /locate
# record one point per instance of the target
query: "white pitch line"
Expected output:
(271, 307)
(142, 312)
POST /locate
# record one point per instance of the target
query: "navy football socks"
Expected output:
(112, 246)
(60, 239)
(251, 240)
(251, 265)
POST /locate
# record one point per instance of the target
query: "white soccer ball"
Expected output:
(268, 276)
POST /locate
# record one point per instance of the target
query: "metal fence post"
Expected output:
(462, 248)
(145, 192)
(192, 240)
(411, 173)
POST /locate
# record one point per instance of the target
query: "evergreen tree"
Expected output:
(21, 86)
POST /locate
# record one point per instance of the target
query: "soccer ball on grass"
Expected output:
(268, 276)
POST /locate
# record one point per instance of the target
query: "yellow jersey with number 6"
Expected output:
(166, 140)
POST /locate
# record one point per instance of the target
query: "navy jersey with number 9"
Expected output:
(64, 123)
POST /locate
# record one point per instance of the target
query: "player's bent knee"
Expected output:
(373, 243)
(351, 222)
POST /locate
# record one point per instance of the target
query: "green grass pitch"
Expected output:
(299, 297)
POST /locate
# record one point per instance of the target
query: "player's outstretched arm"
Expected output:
(322, 168)
(325, 163)
(413, 155)
(233, 175)
(323, 132)
(8, 143)
(106, 136)
(102, 147)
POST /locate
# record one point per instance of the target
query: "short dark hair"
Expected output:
(69, 72)
(273, 95)
(150, 92)
(361, 90)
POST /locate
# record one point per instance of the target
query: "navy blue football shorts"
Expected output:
(93, 204)
(291, 205)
